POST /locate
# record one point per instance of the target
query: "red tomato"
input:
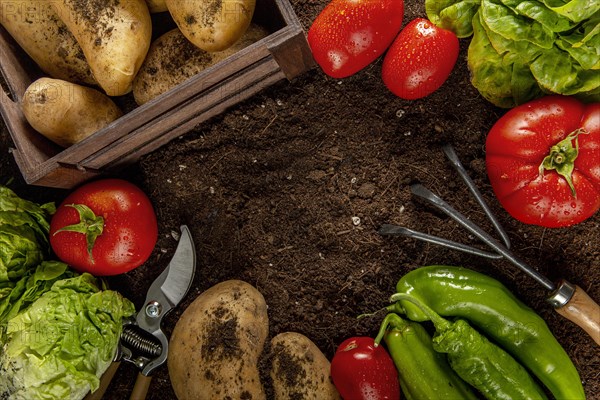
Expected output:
(348, 35)
(543, 161)
(420, 59)
(106, 227)
(361, 371)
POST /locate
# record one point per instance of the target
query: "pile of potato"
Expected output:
(93, 50)
(218, 341)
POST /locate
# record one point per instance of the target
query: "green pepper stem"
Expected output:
(90, 225)
(365, 315)
(562, 158)
(439, 322)
(390, 320)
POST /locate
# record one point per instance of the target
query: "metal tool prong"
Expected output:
(455, 161)
(395, 230)
(424, 193)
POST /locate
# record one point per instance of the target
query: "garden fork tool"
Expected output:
(568, 300)
(143, 343)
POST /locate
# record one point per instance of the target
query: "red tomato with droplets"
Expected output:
(105, 227)
(348, 35)
(543, 161)
(420, 60)
(362, 371)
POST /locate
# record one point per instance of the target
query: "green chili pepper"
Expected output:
(478, 361)
(495, 311)
(423, 372)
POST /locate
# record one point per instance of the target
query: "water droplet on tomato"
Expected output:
(535, 200)
(573, 205)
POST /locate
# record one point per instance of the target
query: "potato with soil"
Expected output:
(156, 6)
(212, 25)
(39, 31)
(216, 344)
(300, 370)
(65, 112)
(115, 37)
(172, 59)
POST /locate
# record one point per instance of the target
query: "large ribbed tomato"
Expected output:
(543, 161)
(105, 227)
(348, 35)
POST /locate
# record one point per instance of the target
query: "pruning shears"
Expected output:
(142, 342)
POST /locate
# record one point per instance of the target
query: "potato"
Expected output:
(156, 6)
(115, 37)
(216, 344)
(212, 25)
(172, 59)
(65, 112)
(299, 369)
(39, 31)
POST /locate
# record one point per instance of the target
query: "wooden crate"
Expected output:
(283, 54)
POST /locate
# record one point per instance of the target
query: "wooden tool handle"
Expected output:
(583, 311)
(140, 390)
(104, 382)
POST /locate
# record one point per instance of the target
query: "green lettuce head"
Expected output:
(24, 228)
(524, 49)
(61, 344)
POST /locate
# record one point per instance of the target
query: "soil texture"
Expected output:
(288, 189)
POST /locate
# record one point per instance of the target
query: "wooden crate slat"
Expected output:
(158, 106)
(198, 119)
(288, 13)
(33, 147)
(292, 54)
(18, 70)
(186, 111)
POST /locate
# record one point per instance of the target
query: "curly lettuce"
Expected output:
(521, 50)
(61, 344)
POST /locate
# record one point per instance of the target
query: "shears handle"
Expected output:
(140, 389)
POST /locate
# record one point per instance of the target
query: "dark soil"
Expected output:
(287, 190)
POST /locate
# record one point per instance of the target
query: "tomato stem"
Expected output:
(562, 158)
(90, 225)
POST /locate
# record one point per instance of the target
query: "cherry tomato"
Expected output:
(105, 227)
(420, 60)
(361, 371)
(543, 161)
(348, 35)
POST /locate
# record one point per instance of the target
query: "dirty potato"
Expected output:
(212, 25)
(216, 344)
(115, 36)
(65, 112)
(156, 6)
(39, 31)
(172, 59)
(299, 369)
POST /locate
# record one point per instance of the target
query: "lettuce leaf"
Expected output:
(521, 50)
(455, 16)
(575, 10)
(24, 243)
(27, 290)
(59, 346)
